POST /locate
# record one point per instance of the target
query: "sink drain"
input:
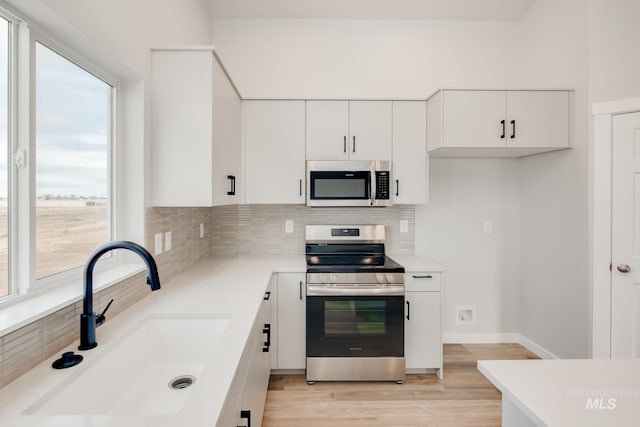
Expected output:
(181, 382)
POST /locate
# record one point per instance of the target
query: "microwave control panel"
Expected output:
(382, 185)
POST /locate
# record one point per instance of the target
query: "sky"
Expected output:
(72, 122)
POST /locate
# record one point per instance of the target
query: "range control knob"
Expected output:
(390, 278)
(380, 279)
(334, 279)
(324, 278)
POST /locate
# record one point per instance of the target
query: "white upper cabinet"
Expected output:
(196, 130)
(274, 151)
(410, 160)
(497, 123)
(327, 130)
(343, 130)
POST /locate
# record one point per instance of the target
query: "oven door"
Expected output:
(355, 326)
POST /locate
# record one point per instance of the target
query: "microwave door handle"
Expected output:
(373, 187)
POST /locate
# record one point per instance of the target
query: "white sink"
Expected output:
(133, 376)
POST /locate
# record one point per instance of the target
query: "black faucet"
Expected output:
(88, 319)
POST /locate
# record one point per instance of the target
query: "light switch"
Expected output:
(201, 230)
(404, 226)
(487, 227)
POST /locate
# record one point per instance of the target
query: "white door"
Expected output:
(327, 130)
(475, 118)
(537, 118)
(625, 233)
(370, 130)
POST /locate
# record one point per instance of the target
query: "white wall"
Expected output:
(614, 55)
(482, 270)
(554, 297)
(365, 58)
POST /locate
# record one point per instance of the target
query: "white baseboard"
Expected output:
(535, 348)
(487, 338)
(497, 338)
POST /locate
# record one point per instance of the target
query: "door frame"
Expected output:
(600, 209)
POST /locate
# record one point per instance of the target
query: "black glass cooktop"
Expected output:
(349, 258)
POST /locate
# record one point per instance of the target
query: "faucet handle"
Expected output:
(100, 318)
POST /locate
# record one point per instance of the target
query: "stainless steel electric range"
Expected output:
(355, 305)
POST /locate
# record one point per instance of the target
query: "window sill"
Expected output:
(25, 309)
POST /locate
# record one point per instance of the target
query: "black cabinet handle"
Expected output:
(300, 186)
(247, 415)
(344, 144)
(397, 187)
(354, 144)
(513, 133)
(301, 290)
(408, 310)
(267, 295)
(232, 191)
(267, 343)
(422, 277)
(504, 129)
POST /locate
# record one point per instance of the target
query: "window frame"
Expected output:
(38, 36)
(21, 261)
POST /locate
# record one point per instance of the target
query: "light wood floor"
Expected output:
(463, 398)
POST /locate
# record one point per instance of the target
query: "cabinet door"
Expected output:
(291, 321)
(227, 139)
(327, 130)
(273, 306)
(423, 342)
(274, 133)
(474, 118)
(410, 162)
(538, 119)
(181, 94)
(370, 130)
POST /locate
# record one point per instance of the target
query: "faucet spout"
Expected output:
(88, 317)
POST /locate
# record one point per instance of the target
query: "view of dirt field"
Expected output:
(67, 232)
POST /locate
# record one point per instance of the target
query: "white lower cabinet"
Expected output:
(423, 335)
(249, 388)
(291, 320)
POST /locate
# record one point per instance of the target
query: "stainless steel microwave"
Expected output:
(348, 183)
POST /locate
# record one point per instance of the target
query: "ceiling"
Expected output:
(449, 10)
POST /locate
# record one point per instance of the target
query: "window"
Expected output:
(72, 145)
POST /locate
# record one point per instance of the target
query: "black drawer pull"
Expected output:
(267, 343)
(247, 415)
(504, 130)
(408, 311)
(232, 191)
(422, 277)
(267, 295)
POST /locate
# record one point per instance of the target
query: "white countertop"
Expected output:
(233, 287)
(228, 286)
(570, 392)
(417, 263)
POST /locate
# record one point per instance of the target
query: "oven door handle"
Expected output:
(337, 290)
(374, 186)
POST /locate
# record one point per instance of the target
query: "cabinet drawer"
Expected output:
(422, 281)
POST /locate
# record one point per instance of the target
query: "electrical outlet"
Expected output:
(288, 226)
(158, 237)
(201, 230)
(404, 226)
(167, 241)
